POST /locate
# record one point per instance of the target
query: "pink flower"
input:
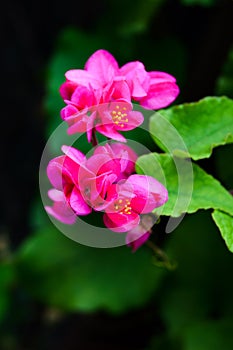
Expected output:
(124, 153)
(108, 165)
(107, 119)
(81, 184)
(103, 77)
(105, 182)
(118, 116)
(139, 194)
(99, 96)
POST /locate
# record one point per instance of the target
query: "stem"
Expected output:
(93, 138)
(162, 260)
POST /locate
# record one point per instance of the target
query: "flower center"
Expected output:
(123, 206)
(119, 116)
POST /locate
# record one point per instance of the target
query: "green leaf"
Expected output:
(65, 274)
(194, 129)
(225, 225)
(189, 187)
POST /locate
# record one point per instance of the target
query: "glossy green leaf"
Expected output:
(225, 225)
(194, 129)
(65, 274)
(189, 187)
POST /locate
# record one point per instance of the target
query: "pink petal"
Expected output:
(78, 204)
(96, 162)
(121, 223)
(127, 157)
(117, 89)
(137, 78)
(160, 95)
(66, 89)
(68, 111)
(121, 115)
(158, 77)
(149, 193)
(77, 156)
(133, 68)
(81, 122)
(103, 66)
(54, 172)
(135, 238)
(82, 77)
(110, 132)
(83, 97)
(131, 121)
(60, 209)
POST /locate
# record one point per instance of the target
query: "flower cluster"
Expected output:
(102, 83)
(99, 99)
(103, 182)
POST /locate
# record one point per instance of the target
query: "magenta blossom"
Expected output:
(122, 152)
(81, 184)
(108, 119)
(139, 194)
(108, 165)
(99, 96)
(104, 182)
(107, 82)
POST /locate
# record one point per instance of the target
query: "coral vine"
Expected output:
(99, 99)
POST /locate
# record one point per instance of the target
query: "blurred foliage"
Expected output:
(199, 2)
(224, 85)
(71, 276)
(196, 304)
(6, 283)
